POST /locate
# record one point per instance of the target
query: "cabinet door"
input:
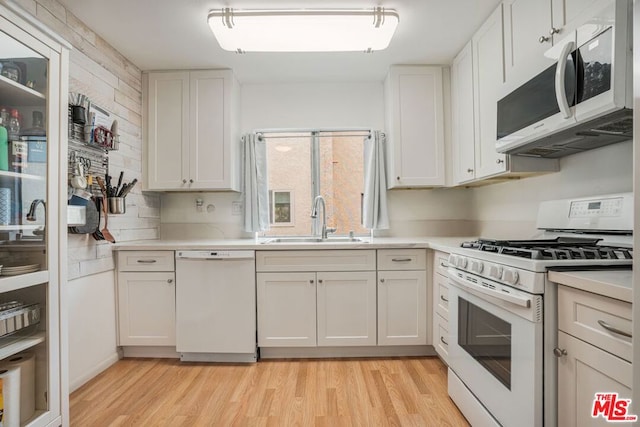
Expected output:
(168, 131)
(402, 307)
(210, 142)
(583, 372)
(346, 308)
(441, 337)
(414, 98)
(567, 15)
(488, 57)
(286, 309)
(527, 24)
(146, 308)
(462, 116)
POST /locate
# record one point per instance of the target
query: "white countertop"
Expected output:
(610, 283)
(438, 243)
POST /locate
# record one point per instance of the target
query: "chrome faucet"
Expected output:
(31, 215)
(319, 200)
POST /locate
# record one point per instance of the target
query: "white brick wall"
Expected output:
(114, 83)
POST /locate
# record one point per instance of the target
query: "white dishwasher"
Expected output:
(216, 306)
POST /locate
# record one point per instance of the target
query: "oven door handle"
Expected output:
(513, 299)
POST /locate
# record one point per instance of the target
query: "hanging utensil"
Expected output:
(105, 231)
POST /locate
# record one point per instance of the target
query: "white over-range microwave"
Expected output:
(583, 100)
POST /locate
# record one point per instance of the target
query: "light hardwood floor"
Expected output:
(360, 392)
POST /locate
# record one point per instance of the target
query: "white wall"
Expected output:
(92, 327)
(509, 209)
(312, 105)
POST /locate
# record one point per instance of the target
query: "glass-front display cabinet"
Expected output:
(33, 128)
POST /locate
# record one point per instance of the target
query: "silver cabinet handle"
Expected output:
(443, 264)
(613, 329)
(543, 39)
(146, 261)
(170, 281)
(320, 281)
(381, 280)
(443, 298)
(499, 161)
(469, 170)
(191, 181)
(553, 31)
(559, 352)
(443, 341)
(397, 178)
(311, 281)
(184, 181)
(401, 259)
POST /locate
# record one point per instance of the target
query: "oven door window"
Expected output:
(486, 338)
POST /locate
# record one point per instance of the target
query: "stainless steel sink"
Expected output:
(314, 240)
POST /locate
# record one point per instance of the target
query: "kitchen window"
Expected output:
(312, 163)
(281, 204)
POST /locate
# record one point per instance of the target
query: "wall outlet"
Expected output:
(236, 208)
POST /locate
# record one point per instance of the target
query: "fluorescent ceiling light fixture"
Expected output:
(304, 30)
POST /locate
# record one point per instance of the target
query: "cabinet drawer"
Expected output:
(146, 261)
(590, 317)
(338, 260)
(440, 262)
(402, 259)
(441, 295)
(441, 338)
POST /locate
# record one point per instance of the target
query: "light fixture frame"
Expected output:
(223, 22)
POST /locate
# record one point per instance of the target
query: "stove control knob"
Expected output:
(476, 266)
(495, 271)
(510, 276)
(453, 259)
(461, 262)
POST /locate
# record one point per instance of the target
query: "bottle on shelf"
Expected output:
(36, 139)
(18, 149)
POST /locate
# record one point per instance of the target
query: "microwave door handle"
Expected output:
(561, 69)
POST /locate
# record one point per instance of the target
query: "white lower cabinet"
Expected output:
(147, 308)
(402, 307)
(402, 297)
(329, 309)
(594, 355)
(146, 298)
(584, 371)
(440, 305)
(286, 309)
(346, 308)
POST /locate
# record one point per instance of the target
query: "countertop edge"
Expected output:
(617, 285)
(437, 243)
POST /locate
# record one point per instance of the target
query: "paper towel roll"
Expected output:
(27, 363)
(10, 378)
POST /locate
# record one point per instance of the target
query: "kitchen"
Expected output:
(105, 75)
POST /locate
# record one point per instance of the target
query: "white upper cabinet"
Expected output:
(478, 78)
(567, 15)
(415, 126)
(489, 76)
(527, 37)
(191, 138)
(463, 132)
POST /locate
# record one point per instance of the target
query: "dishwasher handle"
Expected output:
(215, 255)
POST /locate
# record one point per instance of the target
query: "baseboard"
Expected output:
(98, 368)
(338, 352)
(161, 352)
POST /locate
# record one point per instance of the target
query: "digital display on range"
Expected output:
(594, 205)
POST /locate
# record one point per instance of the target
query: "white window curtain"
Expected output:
(255, 193)
(374, 205)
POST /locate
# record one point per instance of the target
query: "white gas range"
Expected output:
(503, 308)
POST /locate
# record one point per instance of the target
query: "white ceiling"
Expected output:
(173, 34)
